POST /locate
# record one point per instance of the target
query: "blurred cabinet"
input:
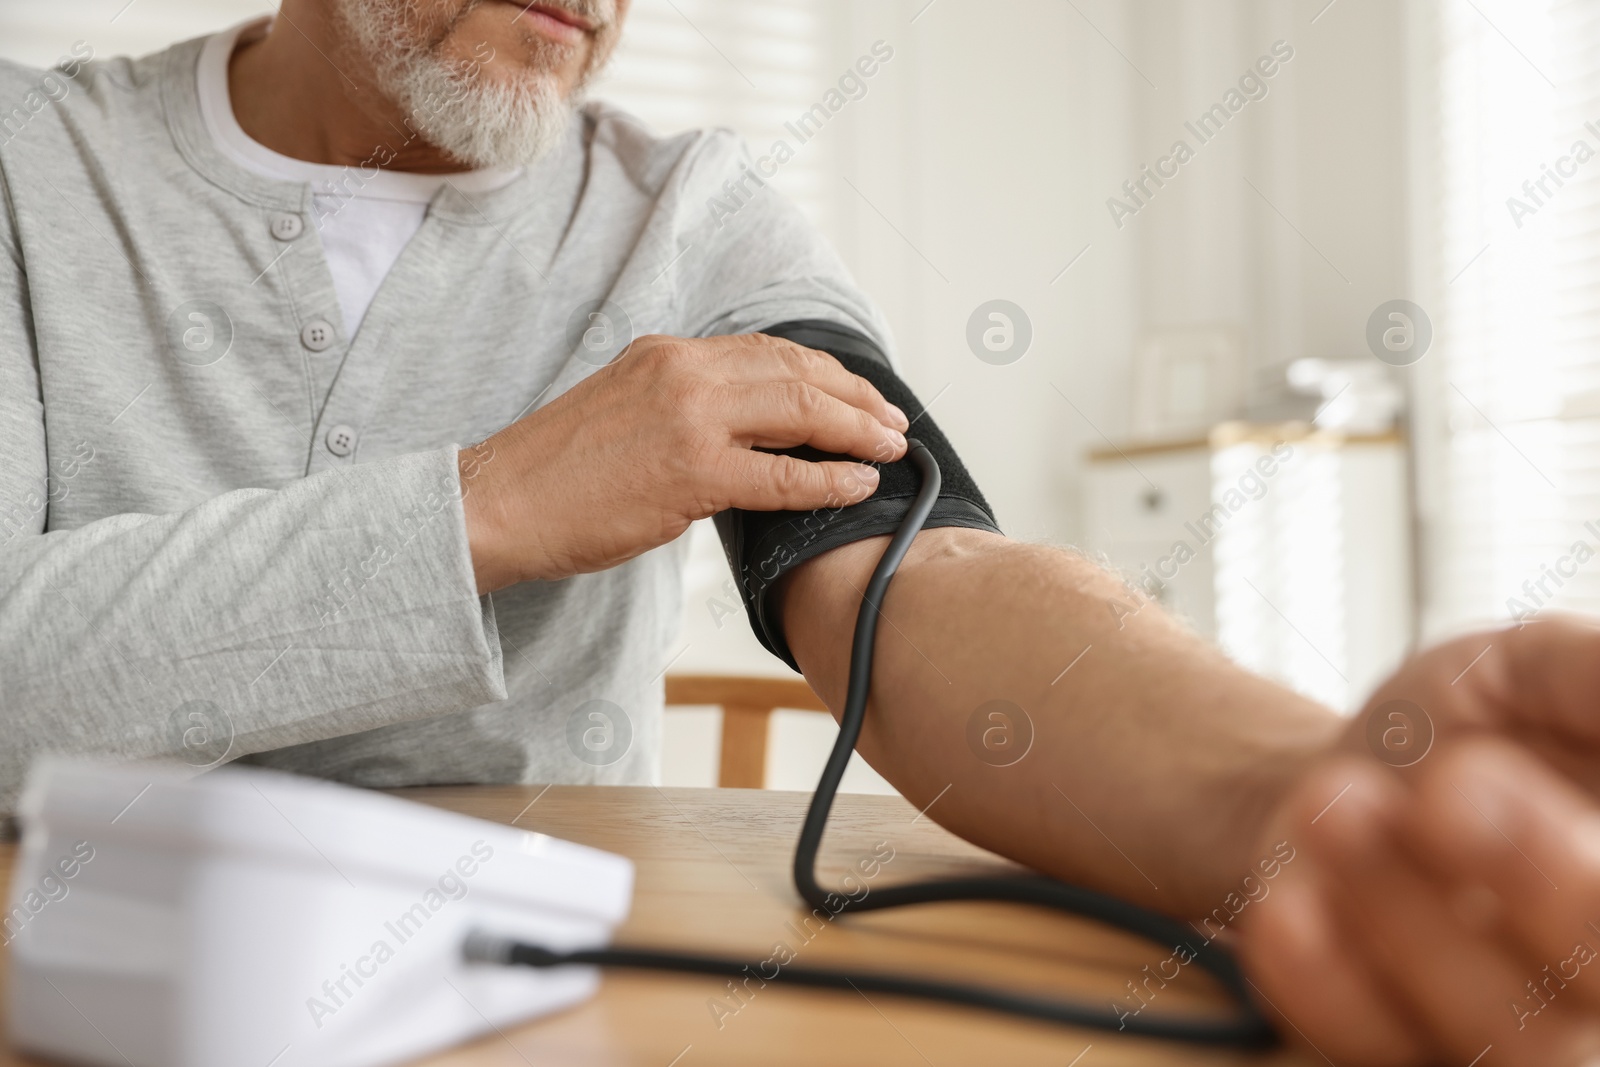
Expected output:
(1288, 547)
(1137, 500)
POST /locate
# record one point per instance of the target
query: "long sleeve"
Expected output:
(255, 619)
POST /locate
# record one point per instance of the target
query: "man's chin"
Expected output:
(501, 128)
(489, 93)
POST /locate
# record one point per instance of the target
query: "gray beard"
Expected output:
(478, 121)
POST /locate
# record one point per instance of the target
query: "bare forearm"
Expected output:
(1153, 761)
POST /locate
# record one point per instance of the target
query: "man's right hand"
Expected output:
(624, 461)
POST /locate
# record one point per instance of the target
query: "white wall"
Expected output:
(1301, 264)
(987, 152)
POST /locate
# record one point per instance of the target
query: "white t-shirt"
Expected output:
(364, 220)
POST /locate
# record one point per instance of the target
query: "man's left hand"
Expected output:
(1448, 910)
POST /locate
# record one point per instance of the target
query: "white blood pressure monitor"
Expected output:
(245, 918)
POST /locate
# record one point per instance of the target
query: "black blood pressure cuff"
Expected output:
(763, 546)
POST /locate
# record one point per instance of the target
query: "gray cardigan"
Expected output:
(228, 529)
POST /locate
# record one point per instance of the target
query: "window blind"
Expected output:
(749, 65)
(1509, 184)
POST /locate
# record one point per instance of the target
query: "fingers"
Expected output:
(1305, 974)
(774, 393)
(786, 414)
(1487, 814)
(1441, 918)
(751, 391)
(1304, 969)
(1470, 992)
(762, 482)
(773, 359)
(1551, 674)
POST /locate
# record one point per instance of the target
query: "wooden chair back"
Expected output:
(747, 705)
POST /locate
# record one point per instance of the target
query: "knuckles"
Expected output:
(693, 397)
(675, 367)
(785, 477)
(658, 353)
(808, 402)
(805, 363)
(679, 382)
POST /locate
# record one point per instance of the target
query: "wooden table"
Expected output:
(713, 875)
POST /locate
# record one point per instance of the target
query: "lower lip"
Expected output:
(551, 27)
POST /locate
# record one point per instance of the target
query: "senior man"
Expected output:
(312, 427)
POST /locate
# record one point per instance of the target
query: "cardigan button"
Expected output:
(341, 440)
(286, 226)
(317, 335)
